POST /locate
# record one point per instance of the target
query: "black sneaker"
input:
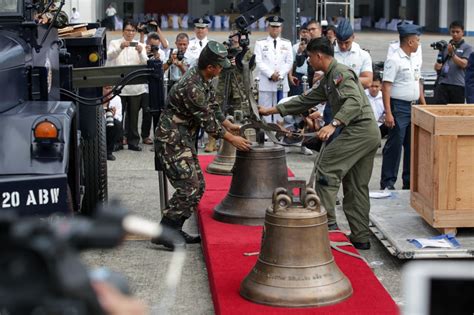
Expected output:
(111, 157)
(362, 246)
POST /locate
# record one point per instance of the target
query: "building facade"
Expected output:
(433, 15)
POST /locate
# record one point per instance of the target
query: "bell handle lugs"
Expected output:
(284, 198)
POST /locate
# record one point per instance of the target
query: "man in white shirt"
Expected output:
(75, 16)
(177, 63)
(350, 54)
(274, 59)
(110, 13)
(126, 51)
(401, 88)
(196, 44)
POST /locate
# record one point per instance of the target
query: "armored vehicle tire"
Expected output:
(95, 167)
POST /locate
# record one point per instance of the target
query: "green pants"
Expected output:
(182, 169)
(349, 159)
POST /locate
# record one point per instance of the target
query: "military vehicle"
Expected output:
(52, 127)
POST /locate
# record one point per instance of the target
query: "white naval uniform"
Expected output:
(394, 45)
(194, 50)
(268, 60)
(404, 72)
(357, 59)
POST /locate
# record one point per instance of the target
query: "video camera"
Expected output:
(149, 27)
(251, 11)
(41, 268)
(439, 45)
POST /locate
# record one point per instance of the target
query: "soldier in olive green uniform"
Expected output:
(191, 106)
(349, 158)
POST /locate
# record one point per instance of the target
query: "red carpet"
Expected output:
(224, 245)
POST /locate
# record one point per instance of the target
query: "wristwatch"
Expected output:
(335, 123)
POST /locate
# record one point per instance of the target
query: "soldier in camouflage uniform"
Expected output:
(191, 106)
(349, 158)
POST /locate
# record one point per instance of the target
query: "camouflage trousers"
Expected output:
(182, 169)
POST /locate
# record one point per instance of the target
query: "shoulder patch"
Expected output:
(338, 78)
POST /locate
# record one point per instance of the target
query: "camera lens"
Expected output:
(109, 118)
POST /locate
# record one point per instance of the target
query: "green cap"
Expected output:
(215, 52)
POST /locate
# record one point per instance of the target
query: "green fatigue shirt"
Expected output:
(191, 105)
(341, 87)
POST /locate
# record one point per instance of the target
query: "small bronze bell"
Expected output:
(225, 157)
(296, 267)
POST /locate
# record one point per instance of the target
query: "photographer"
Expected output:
(152, 27)
(177, 63)
(296, 75)
(123, 52)
(153, 44)
(113, 114)
(315, 31)
(451, 67)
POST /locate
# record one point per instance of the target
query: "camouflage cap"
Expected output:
(215, 52)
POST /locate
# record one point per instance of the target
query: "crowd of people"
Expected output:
(349, 105)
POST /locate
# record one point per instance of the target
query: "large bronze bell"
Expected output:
(225, 157)
(256, 174)
(296, 267)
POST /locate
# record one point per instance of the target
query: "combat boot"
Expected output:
(171, 236)
(211, 145)
(189, 239)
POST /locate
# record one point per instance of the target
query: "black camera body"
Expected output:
(180, 55)
(439, 45)
(154, 48)
(149, 27)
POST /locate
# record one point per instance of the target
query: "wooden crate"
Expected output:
(442, 165)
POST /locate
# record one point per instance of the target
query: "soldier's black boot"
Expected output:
(171, 236)
(190, 239)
